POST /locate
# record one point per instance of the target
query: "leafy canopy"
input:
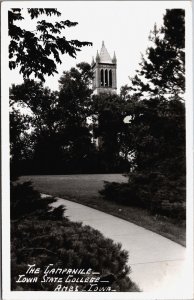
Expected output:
(37, 52)
(162, 69)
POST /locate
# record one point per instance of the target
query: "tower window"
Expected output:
(102, 77)
(106, 78)
(110, 78)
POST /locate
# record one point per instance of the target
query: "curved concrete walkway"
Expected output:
(157, 263)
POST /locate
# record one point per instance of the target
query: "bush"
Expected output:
(68, 245)
(37, 240)
(154, 191)
(25, 200)
(122, 193)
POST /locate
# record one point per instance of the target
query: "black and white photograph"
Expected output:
(97, 132)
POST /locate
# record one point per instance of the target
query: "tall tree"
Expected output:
(159, 113)
(20, 142)
(75, 92)
(112, 134)
(38, 51)
(61, 137)
(162, 70)
(43, 120)
(156, 118)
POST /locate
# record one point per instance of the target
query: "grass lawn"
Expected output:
(84, 189)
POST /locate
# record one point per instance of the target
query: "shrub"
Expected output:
(154, 191)
(68, 245)
(24, 200)
(42, 236)
(121, 193)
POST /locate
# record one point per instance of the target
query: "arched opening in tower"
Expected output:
(102, 78)
(110, 78)
(106, 78)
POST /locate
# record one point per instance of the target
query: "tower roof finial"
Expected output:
(97, 56)
(114, 57)
(103, 44)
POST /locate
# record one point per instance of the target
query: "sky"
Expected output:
(124, 26)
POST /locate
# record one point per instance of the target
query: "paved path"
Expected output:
(157, 263)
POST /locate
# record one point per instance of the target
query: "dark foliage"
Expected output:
(112, 134)
(19, 142)
(163, 66)
(69, 245)
(41, 235)
(157, 125)
(37, 52)
(60, 139)
(155, 192)
(159, 143)
(25, 200)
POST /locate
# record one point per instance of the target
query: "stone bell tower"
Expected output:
(104, 72)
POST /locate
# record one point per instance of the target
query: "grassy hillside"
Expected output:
(84, 189)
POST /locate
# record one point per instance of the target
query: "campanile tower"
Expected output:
(104, 72)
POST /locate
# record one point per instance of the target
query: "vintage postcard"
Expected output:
(97, 139)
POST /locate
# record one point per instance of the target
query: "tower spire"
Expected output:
(114, 60)
(97, 57)
(104, 55)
